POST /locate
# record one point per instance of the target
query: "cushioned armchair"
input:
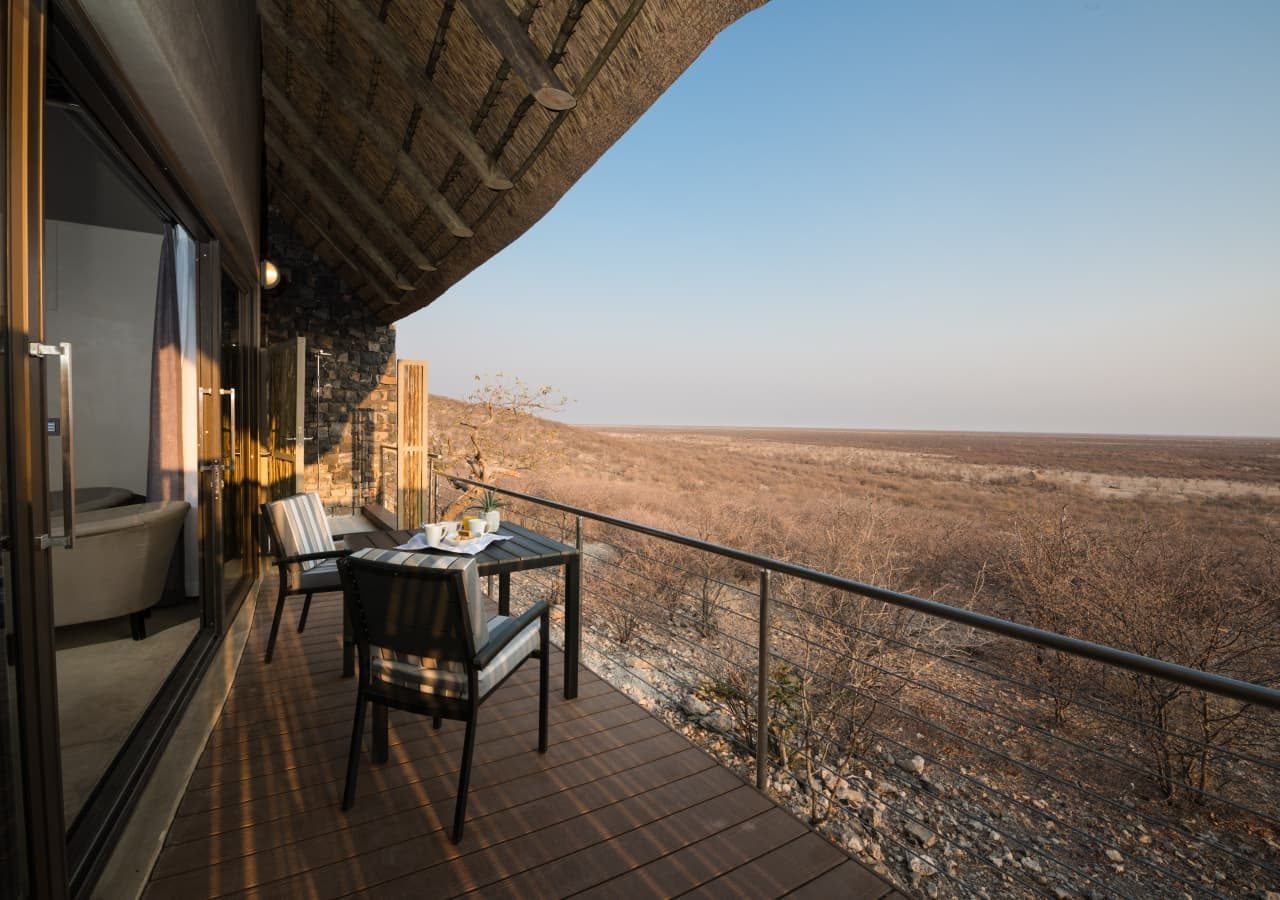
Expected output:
(305, 554)
(425, 645)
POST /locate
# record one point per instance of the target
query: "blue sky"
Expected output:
(1030, 216)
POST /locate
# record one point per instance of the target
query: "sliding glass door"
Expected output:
(237, 448)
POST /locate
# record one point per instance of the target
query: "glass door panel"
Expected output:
(117, 292)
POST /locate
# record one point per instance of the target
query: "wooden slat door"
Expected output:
(284, 439)
(411, 443)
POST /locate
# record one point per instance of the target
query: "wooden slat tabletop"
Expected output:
(524, 550)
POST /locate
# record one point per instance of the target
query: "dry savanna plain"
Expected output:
(954, 762)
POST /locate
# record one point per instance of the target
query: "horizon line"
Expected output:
(920, 429)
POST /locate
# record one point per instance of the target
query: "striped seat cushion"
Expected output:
(450, 678)
(301, 527)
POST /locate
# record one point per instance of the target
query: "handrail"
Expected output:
(1221, 685)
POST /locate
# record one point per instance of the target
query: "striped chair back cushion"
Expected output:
(470, 580)
(301, 527)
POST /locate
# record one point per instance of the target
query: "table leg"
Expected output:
(381, 734)
(504, 593)
(572, 625)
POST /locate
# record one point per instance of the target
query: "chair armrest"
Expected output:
(308, 557)
(502, 635)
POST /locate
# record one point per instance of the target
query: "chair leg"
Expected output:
(464, 780)
(138, 625)
(348, 644)
(435, 722)
(353, 757)
(381, 733)
(306, 608)
(544, 679)
(275, 622)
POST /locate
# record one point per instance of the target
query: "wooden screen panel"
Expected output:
(411, 443)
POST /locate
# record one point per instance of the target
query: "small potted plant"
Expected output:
(488, 506)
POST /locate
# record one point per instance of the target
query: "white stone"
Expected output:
(914, 764)
(695, 707)
(1114, 855)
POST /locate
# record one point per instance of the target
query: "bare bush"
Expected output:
(1168, 594)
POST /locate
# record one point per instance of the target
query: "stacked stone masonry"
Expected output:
(352, 417)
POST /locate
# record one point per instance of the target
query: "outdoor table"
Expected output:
(525, 550)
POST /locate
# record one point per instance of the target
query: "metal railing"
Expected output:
(742, 652)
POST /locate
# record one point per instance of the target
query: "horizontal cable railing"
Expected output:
(953, 751)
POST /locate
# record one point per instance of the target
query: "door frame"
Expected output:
(31, 587)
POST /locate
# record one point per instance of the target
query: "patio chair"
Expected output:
(305, 554)
(424, 645)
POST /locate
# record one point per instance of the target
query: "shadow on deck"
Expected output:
(619, 806)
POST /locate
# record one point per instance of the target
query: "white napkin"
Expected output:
(419, 542)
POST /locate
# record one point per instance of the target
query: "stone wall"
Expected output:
(354, 416)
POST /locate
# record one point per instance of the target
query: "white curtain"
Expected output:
(185, 258)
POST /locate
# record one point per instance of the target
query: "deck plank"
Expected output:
(619, 806)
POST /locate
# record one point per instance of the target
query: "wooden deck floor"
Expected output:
(620, 806)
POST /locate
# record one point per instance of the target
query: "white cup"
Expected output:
(435, 532)
(475, 525)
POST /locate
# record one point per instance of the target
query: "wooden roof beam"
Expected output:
(335, 212)
(377, 133)
(441, 117)
(279, 193)
(511, 39)
(349, 182)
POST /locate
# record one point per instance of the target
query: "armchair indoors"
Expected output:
(305, 554)
(424, 645)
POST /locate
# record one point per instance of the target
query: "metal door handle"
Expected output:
(68, 537)
(231, 392)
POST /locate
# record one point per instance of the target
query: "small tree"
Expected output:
(498, 434)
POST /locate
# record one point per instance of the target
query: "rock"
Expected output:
(1114, 855)
(996, 837)
(1031, 864)
(718, 721)
(922, 866)
(852, 841)
(1062, 893)
(1271, 895)
(996, 860)
(923, 836)
(850, 795)
(695, 707)
(914, 764)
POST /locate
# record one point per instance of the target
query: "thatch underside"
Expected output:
(391, 123)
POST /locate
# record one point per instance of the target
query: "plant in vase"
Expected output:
(489, 506)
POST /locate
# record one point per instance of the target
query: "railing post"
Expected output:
(577, 539)
(433, 491)
(762, 688)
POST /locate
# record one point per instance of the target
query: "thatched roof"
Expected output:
(411, 140)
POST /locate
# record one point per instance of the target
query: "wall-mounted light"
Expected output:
(270, 275)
